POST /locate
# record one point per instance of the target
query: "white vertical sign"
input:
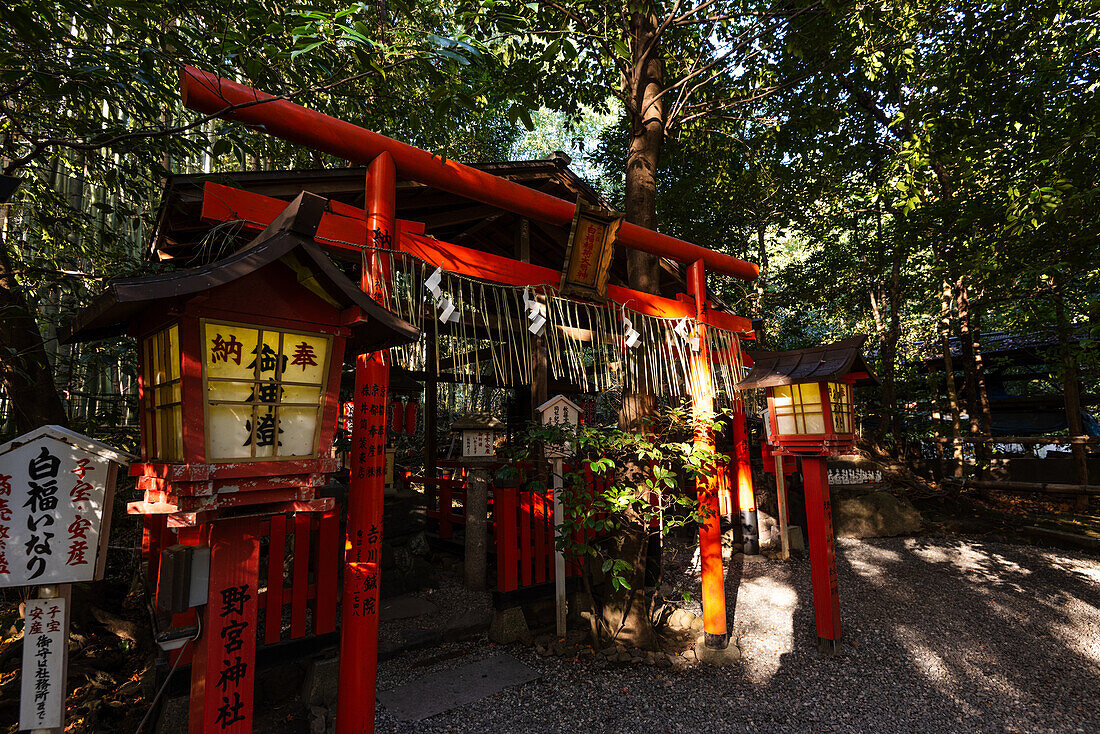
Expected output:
(559, 411)
(42, 697)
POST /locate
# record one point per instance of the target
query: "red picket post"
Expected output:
(819, 521)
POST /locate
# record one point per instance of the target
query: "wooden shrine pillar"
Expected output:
(359, 605)
(701, 389)
(819, 527)
(431, 402)
(746, 497)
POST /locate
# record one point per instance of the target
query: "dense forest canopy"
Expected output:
(919, 171)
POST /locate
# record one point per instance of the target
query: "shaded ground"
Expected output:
(1007, 516)
(945, 634)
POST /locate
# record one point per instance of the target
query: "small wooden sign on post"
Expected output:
(559, 411)
(56, 492)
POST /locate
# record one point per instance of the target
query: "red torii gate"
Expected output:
(384, 157)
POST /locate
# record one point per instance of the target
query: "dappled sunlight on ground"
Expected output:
(767, 631)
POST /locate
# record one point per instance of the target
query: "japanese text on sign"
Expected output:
(234, 674)
(52, 500)
(42, 698)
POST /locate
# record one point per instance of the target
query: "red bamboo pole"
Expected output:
(706, 487)
(363, 547)
(210, 94)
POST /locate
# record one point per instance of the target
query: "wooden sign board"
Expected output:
(560, 411)
(56, 494)
(588, 257)
(478, 442)
(45, 646)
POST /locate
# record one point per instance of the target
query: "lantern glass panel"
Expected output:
(163, 415)
(840, 404)
(225, 425)
(265, 391)
(798, 409)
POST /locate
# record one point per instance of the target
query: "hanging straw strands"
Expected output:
(585, 341)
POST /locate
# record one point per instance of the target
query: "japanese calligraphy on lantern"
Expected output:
(56, 490)
(591, 244)
(264, 389)
(42, 696)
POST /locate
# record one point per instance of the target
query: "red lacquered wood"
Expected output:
(445, 509)
(276, 555)
(819, 522)
(525, 538)
(191, 391)
(225, 204)
(328, 563)
(538, 521)
(221, 700)
(210, 94)
(504, 532)
(300, 582)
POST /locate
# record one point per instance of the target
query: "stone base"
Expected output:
(730, 655)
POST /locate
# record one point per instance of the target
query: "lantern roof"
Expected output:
(476, 422)
(289, 238)
(816, 364)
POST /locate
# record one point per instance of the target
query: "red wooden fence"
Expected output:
(298, 567)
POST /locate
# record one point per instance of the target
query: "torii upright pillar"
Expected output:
(359, 606)
(701, 387)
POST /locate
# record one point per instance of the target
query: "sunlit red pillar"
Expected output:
(746, 500)
(710, 532)
(819, 522)
(362, 551)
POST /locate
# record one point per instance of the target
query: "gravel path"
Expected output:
(945, 635)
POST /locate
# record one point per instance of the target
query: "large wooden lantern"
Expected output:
(240, 367)
(239, 389)
(810, 415)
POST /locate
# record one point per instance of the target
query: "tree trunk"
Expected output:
(975, 381)
(626, 613)
(890, 346)
(24, 368)
(761, 285)
(949, 375)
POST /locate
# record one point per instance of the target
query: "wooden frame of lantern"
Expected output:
(238, 390)
(810, 414)
(812, 418)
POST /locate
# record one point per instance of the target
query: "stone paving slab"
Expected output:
(446, 690)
